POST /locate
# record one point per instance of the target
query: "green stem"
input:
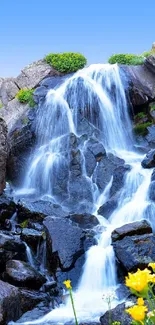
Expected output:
(150, 303)
(72, 301)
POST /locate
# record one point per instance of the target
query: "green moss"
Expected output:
(153, 107)
(141, 129)
(66, 62)
(25, 96)
(141, 115)
(1, 105)
(24, 224)
(128, 59)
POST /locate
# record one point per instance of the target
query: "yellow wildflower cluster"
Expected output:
(138, 311)
(139, 281)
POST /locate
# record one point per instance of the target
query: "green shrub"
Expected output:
(66, 62)
(26, 96)
(128, 59)
(146, 54)
(141, 129)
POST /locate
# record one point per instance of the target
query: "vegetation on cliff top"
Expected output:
(25, 96)
(130, 59)
(66, 62)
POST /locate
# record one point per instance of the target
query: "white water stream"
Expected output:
(102, 85)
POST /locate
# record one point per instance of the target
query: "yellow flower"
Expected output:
(140, 302)
(67, 283)
(152, 265)
(139, 280)
(137, 312)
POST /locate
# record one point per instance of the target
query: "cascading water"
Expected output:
(97, 94)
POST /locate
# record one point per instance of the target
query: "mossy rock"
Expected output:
(141, 129)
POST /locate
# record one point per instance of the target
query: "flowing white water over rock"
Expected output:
(100, 87)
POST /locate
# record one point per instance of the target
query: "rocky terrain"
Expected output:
(40, 240)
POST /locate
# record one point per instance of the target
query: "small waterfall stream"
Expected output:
(101, 88)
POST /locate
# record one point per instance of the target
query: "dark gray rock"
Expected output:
(30, 298)
(118, 314)
(149, 160)
(135, 251)
(152, 191)
(153, 176)
(31, 237)
(150, 63)
(66, 242)
(11, 247)
(39, 311)
(53, 82)
(105, 170)
(90, 162)
(21, 274)
(7, 209)
(118, 178)
(3, 154)
(10, 306)
(131, 229)
(39, 94)
(84, 221)
(108, 207)
(150, 137)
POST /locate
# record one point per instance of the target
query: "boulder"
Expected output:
(11, 247)
(32, 75)
(84, 221)
(10, 305)
(135, 251)
(131, 229)
(118, 314)
(30, 298)
(150, 63)
(3, 154)
(66, 242)
(149, 160)
(150, 137)
(8, 90)
(21, 274)
(118, 178)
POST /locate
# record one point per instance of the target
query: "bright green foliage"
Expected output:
(24, 224)
(146, 54)
(26, 96)
(128, 59)
(141, 129)
(153, 107)
(1, 105)
(66, 62)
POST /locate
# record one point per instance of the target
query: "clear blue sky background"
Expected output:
(29, 29)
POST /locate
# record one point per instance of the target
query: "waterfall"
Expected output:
(96, 93)
(29, 255)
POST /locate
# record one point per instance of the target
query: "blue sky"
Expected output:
(30, 29)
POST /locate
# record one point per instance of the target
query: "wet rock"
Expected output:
(38, 312)
(105, 170)
(153, 176)
(52, 82)
(150, 137)
(32, 237)
(131, 229)
(10, 306)
(30, 298)
(11, 247)
(66, 242)
(108, 207)
(118, 314)
(135, 251)
(21, 274)
(93, 153)
(85, 221)
(40, 94)
(149, 160)
(37, 210)
(119, 178)
(90, 162)
(3, 154)
(21, 143)
(7, 209)
(152, 191)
